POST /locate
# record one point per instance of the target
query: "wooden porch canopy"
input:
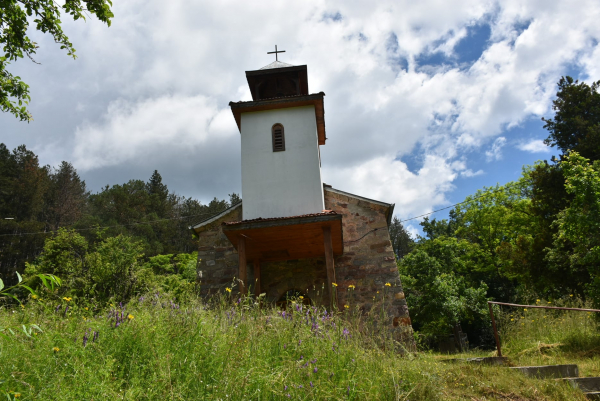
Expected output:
(284, 238)
(287, 237)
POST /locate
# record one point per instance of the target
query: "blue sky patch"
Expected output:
(472, 46)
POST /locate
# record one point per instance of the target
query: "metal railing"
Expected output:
(490, 303)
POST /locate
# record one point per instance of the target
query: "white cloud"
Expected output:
(534, 146)
(391, 181)
(155, 86)
(151, 128)
(495, 151)
(470, 173)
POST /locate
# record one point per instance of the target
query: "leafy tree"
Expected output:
(440, 291)
(15, 17)
(579, 223)
(402, 242)
(441, 228)
(576, 124)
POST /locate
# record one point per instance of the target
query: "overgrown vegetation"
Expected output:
(155, 348)
(538, 237)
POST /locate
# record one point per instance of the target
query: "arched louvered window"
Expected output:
(278, 138)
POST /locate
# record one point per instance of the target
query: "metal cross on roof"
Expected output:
(280, 51)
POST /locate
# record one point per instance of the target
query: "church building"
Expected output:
(293, 235)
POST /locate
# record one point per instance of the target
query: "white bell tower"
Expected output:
(281, 131)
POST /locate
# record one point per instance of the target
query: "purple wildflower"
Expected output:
(299, 342)
(95, 338)
(301, 357)
(57, 308)
(66, 310)
(348, 391)
(288, 396)
(284, 388)
(315, 370)
(313, 361)
(305, 365)
(85, 339)
(284, 346)
(301, 386)
(121, 305)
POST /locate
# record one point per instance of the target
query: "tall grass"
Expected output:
(542, 336)
(155, 349)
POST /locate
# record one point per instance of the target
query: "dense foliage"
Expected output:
(39, 200)
(155, 348)
(534, 238)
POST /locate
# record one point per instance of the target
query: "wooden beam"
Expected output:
(242, 265)
(329, 264)
(257, 277)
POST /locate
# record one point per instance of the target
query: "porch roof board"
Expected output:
(287, 238)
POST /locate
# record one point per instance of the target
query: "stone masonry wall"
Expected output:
(366, 274)
(217, 258)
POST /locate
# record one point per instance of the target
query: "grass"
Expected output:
(230, 351)
(548, 337)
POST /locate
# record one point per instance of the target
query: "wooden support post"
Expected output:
(495, 329)
(242, 265)
(257, 277)
(329, 264)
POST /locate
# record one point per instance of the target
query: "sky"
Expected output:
(426, 101)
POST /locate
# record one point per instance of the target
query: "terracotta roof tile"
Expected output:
(323, 213)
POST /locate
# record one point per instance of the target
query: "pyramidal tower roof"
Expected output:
(276, 64)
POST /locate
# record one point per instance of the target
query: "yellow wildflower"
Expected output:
(228, 289)
(334, 284)
(512, 320)
(525, 309)
(86, 308)
(129, 317)
(346, 306)
(388, 285)
(301, 297)
(352, 286)
(537, 301)
(68, 299)
(34, 296)
(17, 395)
(549, 302)
(55, 349)
(84, 318)
(571, 295)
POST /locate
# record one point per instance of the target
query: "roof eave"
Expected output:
(316, 99)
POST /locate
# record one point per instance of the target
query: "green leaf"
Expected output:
(28, 288)
(1, 284)
(19, 276)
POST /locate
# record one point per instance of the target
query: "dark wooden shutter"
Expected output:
(278, 138)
